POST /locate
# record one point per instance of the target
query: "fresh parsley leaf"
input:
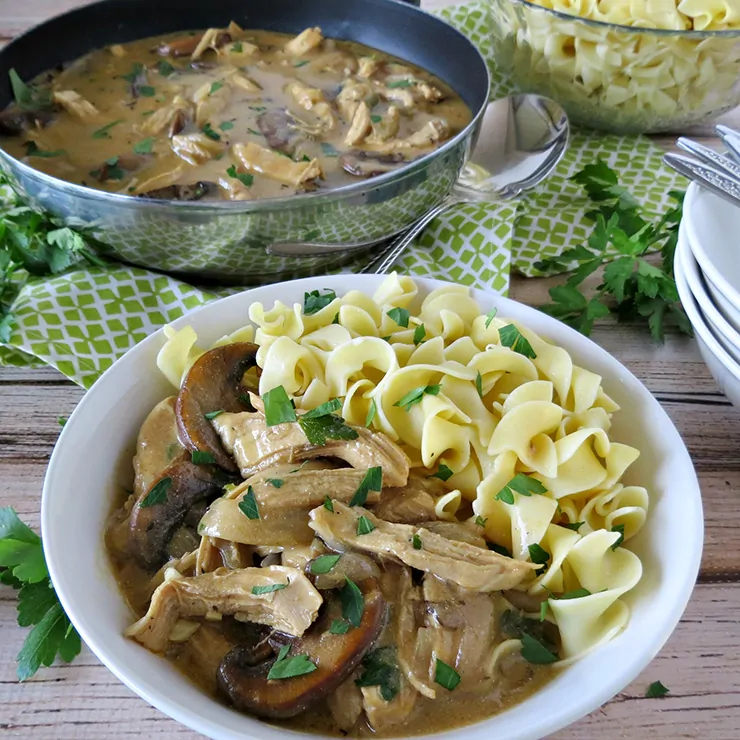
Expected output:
(302, 63)
(244, 177)
(328, 504)
(259, 590)
(540, 556)
(335, 320)
(400, 315)
(226, 125)
(575, 526)
(28, 97)
(578, 593)
(276, 482)
(352, 601)
(445, 675)
(371, 481)
(339, 627)
(511, 337)
(443, 473)
(324, 563)
(102, 132)
(533, 651)
(164, 68)
(416, 542)
(521, 484)
(479, 383)
(656, 690)
(399, 83)
(328, 150)
(213, 414)
(380, 668)
(136, 70)
(601, 183)
(147, 91)
(202, 457)
(481, 521)
(210, 133)
(543, 611)
(157, 494)
(500, 549)
(215, 87)
(278, 407)
(414, 396)
(318, 430)
(324, 409)
(419, 333)
(376, 119)
(248, 505)
(314, 301)
(144, 146)
(618, 528)
(61, 420)
(32, 150)
(237, 47)
(285, 667)
(371, 412)
(490, 316)
(364, 525)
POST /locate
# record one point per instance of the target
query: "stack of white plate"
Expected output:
(707, 272)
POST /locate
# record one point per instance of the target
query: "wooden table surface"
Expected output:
(700, 663)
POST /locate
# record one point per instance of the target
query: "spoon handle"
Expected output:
(384, 261)
(714, 180)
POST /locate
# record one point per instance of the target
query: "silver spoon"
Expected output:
(521, 139)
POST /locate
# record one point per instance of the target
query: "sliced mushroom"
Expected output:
(187, 45)
(362, 164)
(14, 122)
(274, 126)
(213, 383)
(159, 512)
(335, 656)
(196, 191)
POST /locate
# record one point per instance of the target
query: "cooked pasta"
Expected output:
(517, 432)
(618, 78)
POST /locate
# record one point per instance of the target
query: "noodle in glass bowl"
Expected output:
(628, 76)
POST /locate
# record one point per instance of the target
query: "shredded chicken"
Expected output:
(240, 80)
(411, 504)
(195, 148)
(431, 132)
(210, 101)
(350, 97)
(211, 39)
(172, 117)
(76, 105)
(345, 704)
(360, 127)
(234, 188)
(467, 565)
(291, 609)
(304, 42)
(387, 127)
(368, 67)
(382, 714)
(162, 180)
(256, 446)
(263, 161)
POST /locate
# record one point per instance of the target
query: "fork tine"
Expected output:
(731, 139)
(714, 159)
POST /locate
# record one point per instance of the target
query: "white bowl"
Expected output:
(712, 226)
(724, 332)
(93, 456)
(723, 367)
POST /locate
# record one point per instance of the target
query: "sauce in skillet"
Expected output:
(229, 114)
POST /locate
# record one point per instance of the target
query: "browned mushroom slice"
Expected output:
(214, 383)
(159, 511)
(362, 164)
(334, 656)
(185, 46)
(15, 122)
(274, 126)
(196, 191)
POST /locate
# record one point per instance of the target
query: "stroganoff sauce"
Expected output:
(229, 114)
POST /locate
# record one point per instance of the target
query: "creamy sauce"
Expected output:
(131, 120)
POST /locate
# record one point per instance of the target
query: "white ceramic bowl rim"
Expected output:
(713, 274)
(694, 311)
(75, 503)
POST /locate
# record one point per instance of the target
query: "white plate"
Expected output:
(723, 367)
(93, 456)
(721, 328)
(712, 226)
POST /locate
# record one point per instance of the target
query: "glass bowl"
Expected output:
(616, 78)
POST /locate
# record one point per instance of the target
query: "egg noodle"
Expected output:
(609, 70)
(491, 412)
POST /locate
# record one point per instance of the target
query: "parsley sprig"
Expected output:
(633, 287)
(23, 567)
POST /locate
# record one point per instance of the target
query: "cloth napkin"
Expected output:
(80, 322)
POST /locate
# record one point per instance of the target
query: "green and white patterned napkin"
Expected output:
(82, 321)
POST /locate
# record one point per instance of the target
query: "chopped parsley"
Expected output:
(213, 414)
(443, 473)
(317, 431)
(248, 505)
(521, 484)
(539, 556)
(339, 627)
(328, 150)
(324, 409)
(372, 481)
(419, 333)
(244, 178)
(61, 420)
(32, 150)
(481, 521)
(618, 528)
(445, 675)
(215, 87)
(364, 525)
(102, 132)
(371, 412)
(575, 526)
(328, 504)
(136, 70)
(314, 301)
(353, 602)
(302, 63)
(237, 47)
(399, 83)
(324, 563)
(276, 482)
(164, 68)
(144, 146)
(533, 651)
(416, 542)
(157, 494)
(656, 690)
(400, 315)
(27, 96)
(490, 316)
(285, 667)
(500, 549)
(414, 396)
(147, 91)
(210, 133)
(202, 457)
(512, 338)
(376, 119)
(259, 590)
(226, 125)
(479, 383)
(380, 668)
(278, 407)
